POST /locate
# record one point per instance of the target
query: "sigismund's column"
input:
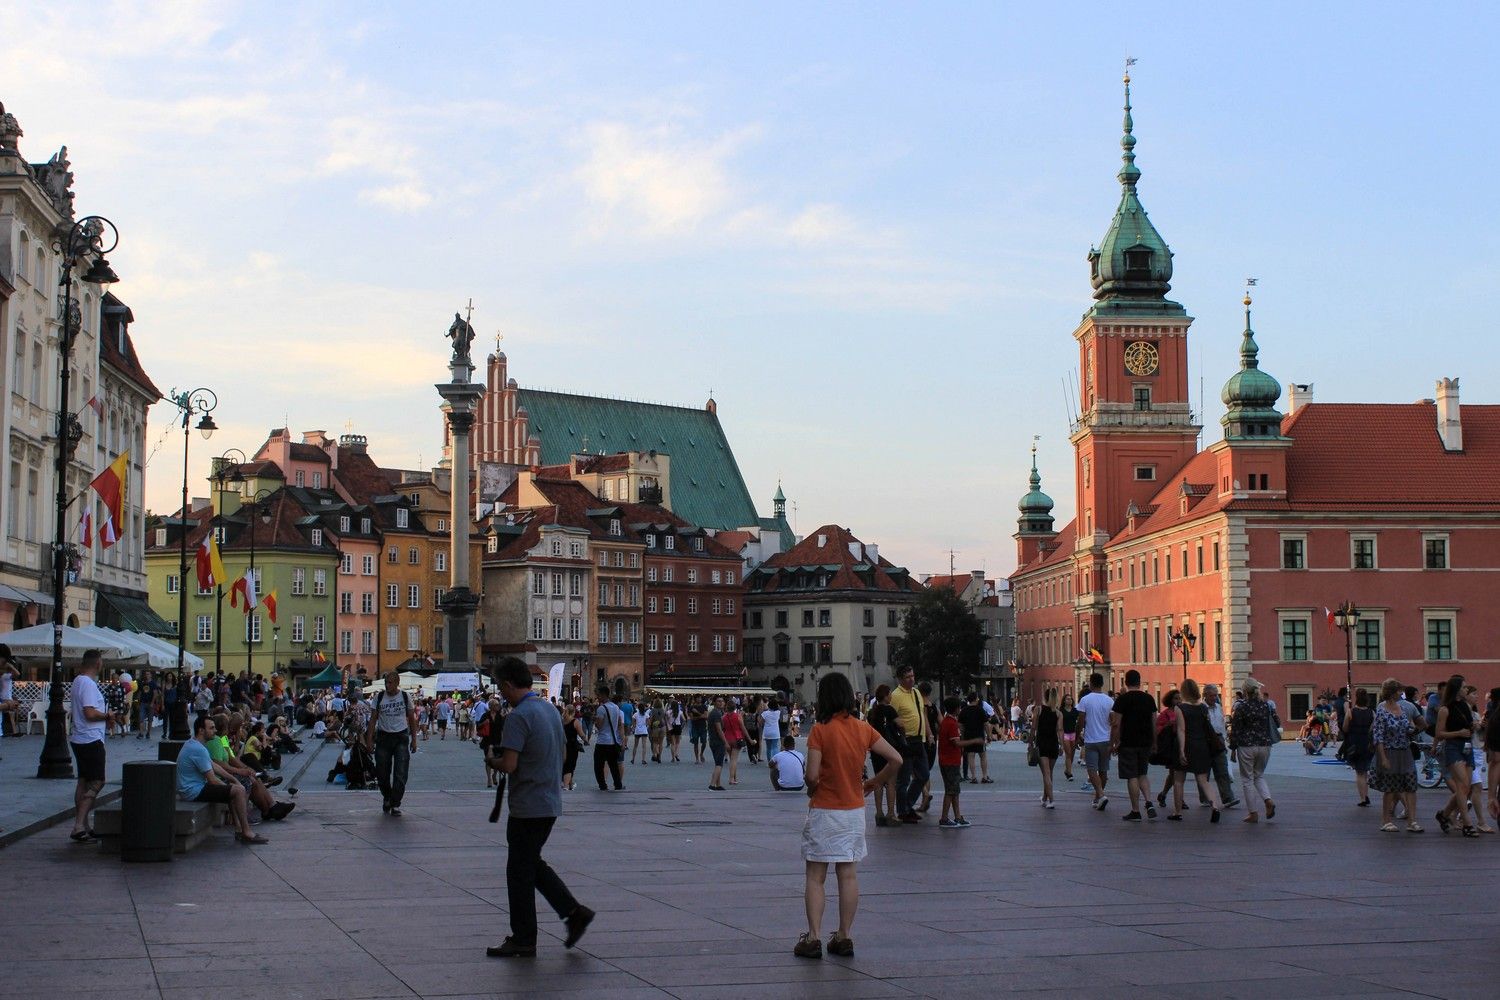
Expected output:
(461, 394)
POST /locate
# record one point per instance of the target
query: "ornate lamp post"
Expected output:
(1020, 671)
(1346, 617)
(84, 239)
(202, 402)
(227, 470)
(1183, 639)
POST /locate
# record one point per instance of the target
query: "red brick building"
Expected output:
(1244, 546)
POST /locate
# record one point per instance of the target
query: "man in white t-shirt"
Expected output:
(770, 729)
(1093, 720)
(788, 768)
(88, 716)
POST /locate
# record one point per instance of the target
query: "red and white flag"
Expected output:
(96, 405)
(86, 527)
(1331, 622)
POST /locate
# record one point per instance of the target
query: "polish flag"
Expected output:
(86, 528)
(96, 405)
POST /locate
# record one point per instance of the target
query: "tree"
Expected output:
(941, 639)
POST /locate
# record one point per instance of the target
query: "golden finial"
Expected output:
(1249, 284)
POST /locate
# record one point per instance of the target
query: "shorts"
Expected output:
(1457, 752)
(699, 736)
(1133, 762)
(676, 730)
(442, 723)
(1067, 737)
(1096, 757)
(834, 835)
(90, 759)
(214, 793)
(952, 779)
(717, 749)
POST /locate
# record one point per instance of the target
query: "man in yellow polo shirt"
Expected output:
(911, 713)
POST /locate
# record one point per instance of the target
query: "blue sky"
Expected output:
(864, 227)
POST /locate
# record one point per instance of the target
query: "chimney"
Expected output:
(1449, 427)
(1298, 396)
(857, 550)
(872, 551)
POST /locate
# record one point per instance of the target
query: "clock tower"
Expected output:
(1137, 428)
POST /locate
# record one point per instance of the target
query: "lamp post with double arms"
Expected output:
(1184, 639)
(1346, 617)
(227, 471)
(189, 402)
(90, 237)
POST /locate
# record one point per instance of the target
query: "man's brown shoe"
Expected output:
(840, 945)
(808, 947)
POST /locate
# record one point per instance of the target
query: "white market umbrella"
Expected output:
(190, 662)
(154, 658)
(35, 642)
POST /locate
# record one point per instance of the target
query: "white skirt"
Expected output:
(834, 835)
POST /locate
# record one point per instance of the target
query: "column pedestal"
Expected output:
(461, 396)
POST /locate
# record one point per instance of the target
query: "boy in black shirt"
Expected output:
(1132, 733)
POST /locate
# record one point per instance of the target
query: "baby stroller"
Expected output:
(355, 762)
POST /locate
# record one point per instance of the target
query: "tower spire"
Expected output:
(1129, 173)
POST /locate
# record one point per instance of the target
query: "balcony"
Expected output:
(648, 494)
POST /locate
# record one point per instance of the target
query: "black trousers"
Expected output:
(392, 760)
(526, 874)
(605, 753)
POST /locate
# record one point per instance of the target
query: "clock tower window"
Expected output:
(1143, 397)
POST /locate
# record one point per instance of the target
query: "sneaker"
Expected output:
(1049, 804)
(963, 822)
(509, 948)
(808, 946)
(396, 811)
(385, 805)
(840, 945)
(1231, 803)
(947, 824)
(1150, 810)
(1132, 817)
(578, 921)
(1102, 803)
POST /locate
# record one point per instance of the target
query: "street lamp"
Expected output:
(265, 518)
(1347, 619)
(1183, 639)
(227, 470)
(1020, 671)
(202, 402)
(85, 238)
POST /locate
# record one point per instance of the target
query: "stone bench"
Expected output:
(192, 822)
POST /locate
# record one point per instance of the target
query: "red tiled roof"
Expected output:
(734, 540)
(359, 474)
(118, 350)
(1165, 509)
(957, 584)
(309, 453)
(1390, 455)
(604, 463)
(835, 552)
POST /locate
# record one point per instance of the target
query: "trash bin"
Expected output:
(148, 801)
(169, 749)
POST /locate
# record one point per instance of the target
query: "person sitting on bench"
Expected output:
(199, 779)
(218, 749)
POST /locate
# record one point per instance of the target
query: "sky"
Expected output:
(862, 227)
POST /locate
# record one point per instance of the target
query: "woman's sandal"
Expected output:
(254, 838)
(1443, 822)
(1470, 831)
(1413, 828)
(1388, 828)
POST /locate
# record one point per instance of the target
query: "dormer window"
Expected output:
(651, 541)
(698, 545)
(614, 526)
(317, 538)
(402, 517)
(494, 544)
(343, 525)
(671, 541)
(364, 525)
(1137, 259)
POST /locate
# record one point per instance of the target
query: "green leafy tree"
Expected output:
(941, 639)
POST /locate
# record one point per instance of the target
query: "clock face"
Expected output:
(1141, 358)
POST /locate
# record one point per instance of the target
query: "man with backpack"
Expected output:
(393, 729)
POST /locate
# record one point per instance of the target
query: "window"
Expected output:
(651, 642)
(825, 652)
(666, 574)
(620, 633)
(346, 563)
(317, 480)
(1362, 552)
(650, 605)
(557, 628)
(536, 628)
(807, 652)
(317, 538)
(783, 651)
(1218, 640)
(413, 637)
(1184, 561)
(367, 565)
(635, 595)
(299, 628)
(413, 595)
(650, 541)
(650, 574)
(668, 605)
(301, 478)
(413, 557)
(1435, 549)
(364, 529)
(807, 618)
(440, 561)
(869, 617)
(715, 576)
(403, 517)
(575, 549)
(890, 618)
(619, 559)
(1145, 473)
(1216, 556)
(1294, 638)
(1439, 636)
(614, 527)
(1293, 552)
(698, 544)
(671, 542)
(557, 584)
(635, 560)
(1143, 397)
(346, 641)
(393, 595)
(692, 642)
(1200, 558)
(729, 606)
(825, 618)
(442, 524)
(575, 584)
(173, 582)
(717, 607)
(692, 605)
(343, 525)
(667, 642)
(1298, 703)
(557, 546)
(346, 602)
(367, 603)
(603, 594)
(619, 595)
(718, 643)
(320, 583)
(729, 577)
(1367, 635)
(538, 583)
(437, 638)
(692, 576)
(437, 597)
(575, 629)
(320, 629)
(393, 555)
(205, 628)
(367, 641)
(781, 617)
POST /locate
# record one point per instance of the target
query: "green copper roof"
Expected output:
(1250, 395)
(1131, 269)
(1035, 506)
(707, 488)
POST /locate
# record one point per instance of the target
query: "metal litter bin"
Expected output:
(148, 802)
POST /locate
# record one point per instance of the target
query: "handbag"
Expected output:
(1033, 756)
(1215, 742)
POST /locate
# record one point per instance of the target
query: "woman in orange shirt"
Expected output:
(835, 829)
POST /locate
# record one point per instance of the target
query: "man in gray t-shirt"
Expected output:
(531, 748)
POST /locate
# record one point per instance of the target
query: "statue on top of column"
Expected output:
(462, 335)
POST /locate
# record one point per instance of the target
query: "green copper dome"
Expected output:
(1250, 395)
(1035, 506)
(1131, 269)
